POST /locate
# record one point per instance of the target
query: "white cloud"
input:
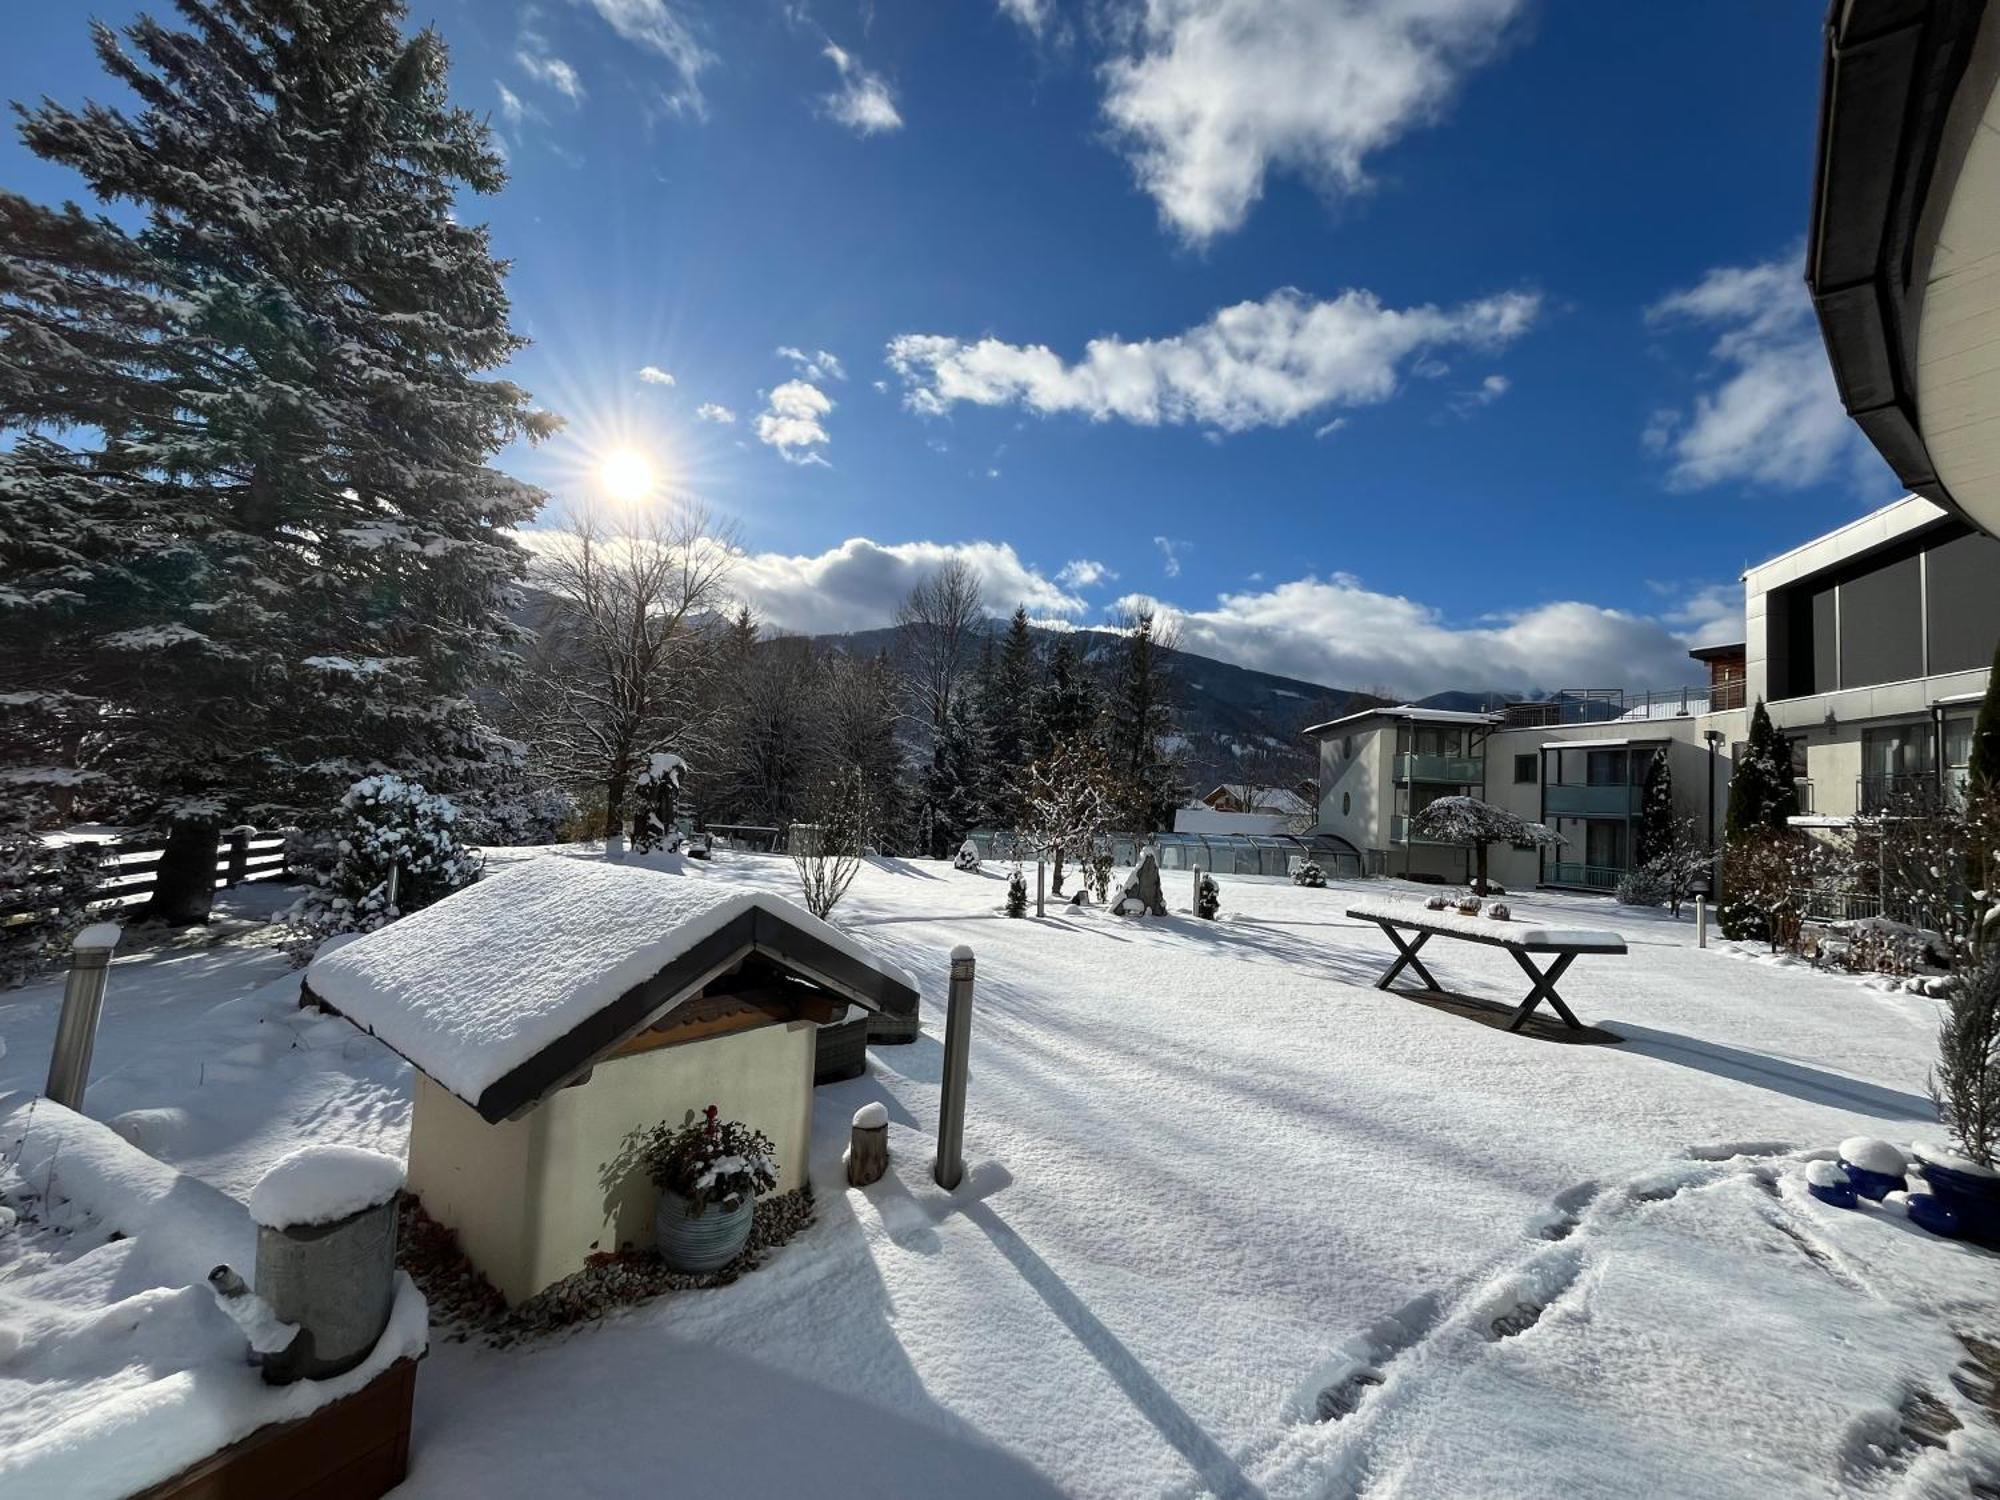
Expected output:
(1083, 573)
(1170, 554)
(790, 422)
(819, 365)
(862, 102)
(857, 585)
(512, 109)
(1337, 632)
(1033, 14)
(1328, 429)
(654, 375)
(1207, 97)
(1257, 364)
(658, 26)
(545, 67)
(1771, 414)
(711, 411)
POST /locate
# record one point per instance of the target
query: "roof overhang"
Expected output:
(1903, 248)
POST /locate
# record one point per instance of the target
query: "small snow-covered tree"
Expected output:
(827, 849)
(1471, 823)
(1965, 1084)
(1069, 805)
(386, 826)
(1139, 726)
(1762, 791)
(1657, 824)
(1761, 882)
(1017, 893)
(657, 788)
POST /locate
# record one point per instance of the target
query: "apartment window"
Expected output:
(1963, 604)
(1526, 768)
(1605, 768)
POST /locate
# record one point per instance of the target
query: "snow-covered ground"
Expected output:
(1218, 1185)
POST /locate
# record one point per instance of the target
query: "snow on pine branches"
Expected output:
(386, 824)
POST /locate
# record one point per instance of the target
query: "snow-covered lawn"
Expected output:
(1212, 1175)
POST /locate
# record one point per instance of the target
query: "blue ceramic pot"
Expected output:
(1875, 1185)
(1838, 1194)
(706, 1243)
(1972, 1198)
(1926, 1212)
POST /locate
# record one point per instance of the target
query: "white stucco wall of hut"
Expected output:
(529, 1198)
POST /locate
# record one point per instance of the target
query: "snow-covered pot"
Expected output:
(1874, 1167)
(1969, 1191)
(1927, 1211)
(326, 1256)
(1829, 1183)
(706, 1243)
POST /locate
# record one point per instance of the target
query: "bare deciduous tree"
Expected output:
(617, 671)
(938, 627)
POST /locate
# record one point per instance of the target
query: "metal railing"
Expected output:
(1907, 791)
(1723, 696)
(1453, 770)
(1568, 800)
(1586, 877)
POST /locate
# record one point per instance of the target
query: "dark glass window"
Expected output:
(1525, 769)
(1882, 624)
(1962, 600)
(1606, 768)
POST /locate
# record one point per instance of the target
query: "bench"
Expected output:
(1519, 938)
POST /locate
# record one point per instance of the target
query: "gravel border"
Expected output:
(464, 1304)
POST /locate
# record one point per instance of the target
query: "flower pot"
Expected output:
(1969, 1192)
(706, 1243)
(1926, 1212)
(1875, 1167)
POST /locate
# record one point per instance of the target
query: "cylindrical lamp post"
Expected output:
(83, 1002)
(949, 1170)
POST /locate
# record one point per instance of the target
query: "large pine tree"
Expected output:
(249, 538)
(1066, 704)
(1007, 709)
(1139, 724)
(1655, 835)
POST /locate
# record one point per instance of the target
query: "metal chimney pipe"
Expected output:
(949, 1170)
(83, 1002)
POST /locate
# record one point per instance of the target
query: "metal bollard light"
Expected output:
(83, 1002)
(1701, 921)
(1040, 872)
(1194, 898)
(949, 1169)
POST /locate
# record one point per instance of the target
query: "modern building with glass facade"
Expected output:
(1870, 647)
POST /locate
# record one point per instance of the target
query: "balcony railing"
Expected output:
(1566, 801)
(1453, 770)
(1723, 696)
(1588, 877)
(1909, 791)
(1399, 833)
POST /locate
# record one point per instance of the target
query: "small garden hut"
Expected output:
(556, 1009)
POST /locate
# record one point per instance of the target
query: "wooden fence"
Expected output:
(129, 870)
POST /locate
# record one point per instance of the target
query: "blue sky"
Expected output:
(1401, 343)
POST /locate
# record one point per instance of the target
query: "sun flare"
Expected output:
(627, 475)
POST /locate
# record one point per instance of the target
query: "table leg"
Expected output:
(1408, 957)
(1544, 989)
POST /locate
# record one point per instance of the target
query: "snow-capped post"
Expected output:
(326, 1257)
(868, 1145)
(83, 1002)
(949, 1170)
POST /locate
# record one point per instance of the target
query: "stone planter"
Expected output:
(706, 1243)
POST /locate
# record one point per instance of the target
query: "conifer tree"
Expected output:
(1139, 722)
(1656, 832)
(1066, 703)
(248, 531)
(1007, 707)
(1762, 793)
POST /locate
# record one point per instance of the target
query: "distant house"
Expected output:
(1870, 647)
(555, 1010)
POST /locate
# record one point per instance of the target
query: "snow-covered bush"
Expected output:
(1097, 875)
(48, 889)
(1309, 874)
(1208, 898)
(1643, 886)
(1965, 1084)
(1017, 894)
(967, 858)
(385, 824)
(709, 1161)
(657, 789)
(1499, 912)
(519, 816)
(1436, 903)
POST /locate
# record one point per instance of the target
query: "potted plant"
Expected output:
(1965, 1085)
(709, 1172)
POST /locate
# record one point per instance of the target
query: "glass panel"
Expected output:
(1958, 742)
(1606, 768)
(1604, 845)
(1881, 625)
(1963, 604)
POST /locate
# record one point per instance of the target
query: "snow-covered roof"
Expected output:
(127, 1371)
(1408, 711)
(1275, 799)
(511, 987)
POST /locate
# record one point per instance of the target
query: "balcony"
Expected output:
(1564, 801)
(1725, 695)
(1584, 877)
(1451, 770)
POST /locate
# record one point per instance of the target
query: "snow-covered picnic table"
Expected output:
(1518, 938)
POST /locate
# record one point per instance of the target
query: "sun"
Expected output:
(627, 475)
